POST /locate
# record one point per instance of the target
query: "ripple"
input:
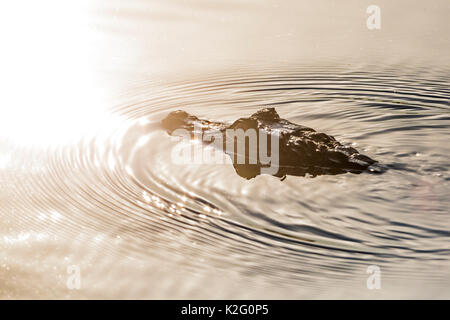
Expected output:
(122, 186)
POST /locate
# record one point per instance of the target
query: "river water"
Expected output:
(85, 171)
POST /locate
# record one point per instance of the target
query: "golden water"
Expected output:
(86, 177)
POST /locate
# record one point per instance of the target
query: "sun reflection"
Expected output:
(55, 216)
(146, 197)
(4, 160)
(129, 170)
(51, 89)
(142, 140)
(23, 237)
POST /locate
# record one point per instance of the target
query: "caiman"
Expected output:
(300, 150)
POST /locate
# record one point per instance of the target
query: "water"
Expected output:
(87, 179)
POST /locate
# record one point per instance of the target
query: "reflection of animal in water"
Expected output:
(301, 150)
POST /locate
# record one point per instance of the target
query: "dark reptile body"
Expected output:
(302, 150)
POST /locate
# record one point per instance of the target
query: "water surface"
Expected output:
(87, 179)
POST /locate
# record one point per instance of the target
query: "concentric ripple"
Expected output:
(120, 192)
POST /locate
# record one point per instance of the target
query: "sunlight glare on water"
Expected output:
(51, 92)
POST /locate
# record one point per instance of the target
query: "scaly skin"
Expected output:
(302, 150)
